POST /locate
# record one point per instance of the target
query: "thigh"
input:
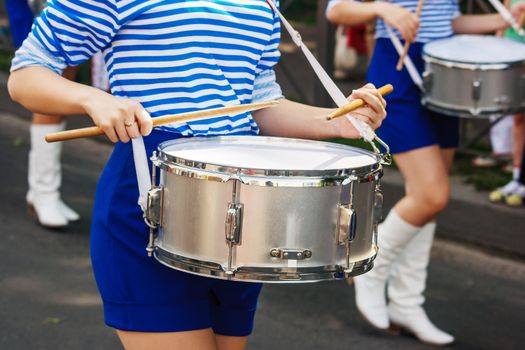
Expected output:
(423, 169)
(201, 339)
(230, 343)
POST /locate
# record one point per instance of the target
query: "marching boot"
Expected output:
(370, 289)
(406, 287)
(44, 177)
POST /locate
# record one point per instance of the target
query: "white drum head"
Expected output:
(478, 49)
(257, 152)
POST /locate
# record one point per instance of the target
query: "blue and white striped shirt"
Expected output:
(435, 22)
(172, 56)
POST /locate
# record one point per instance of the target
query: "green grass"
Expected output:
(5, 61)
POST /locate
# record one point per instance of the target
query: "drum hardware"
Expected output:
(378, 210)
(233, 226)
(476, 90)
(153, 212)
(269, 233)
(291, 254)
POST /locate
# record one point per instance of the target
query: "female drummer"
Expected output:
(165, 57)
(423, 144)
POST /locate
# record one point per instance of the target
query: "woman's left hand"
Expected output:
(373, 113)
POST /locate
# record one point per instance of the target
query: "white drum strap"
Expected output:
(412, 71)
(339, 98)
(142, 170)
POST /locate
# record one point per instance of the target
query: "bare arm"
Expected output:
(353, 12)
(292, 119)
(478, 24)
(482, 24)
(41, 90)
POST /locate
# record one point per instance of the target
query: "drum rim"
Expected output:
(217, 172)
(432, 58)
(262, 274)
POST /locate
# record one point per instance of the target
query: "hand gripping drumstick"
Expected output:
(407, 44)
(355, 104)
(183, 117)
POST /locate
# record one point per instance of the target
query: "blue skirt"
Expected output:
(140, 294)
(408, 125)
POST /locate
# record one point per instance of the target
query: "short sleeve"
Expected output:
(67, 33)
(271, 54)
(266, 87)
(456, 12)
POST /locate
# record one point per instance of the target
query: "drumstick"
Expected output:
(407, 43)
(355, 104)
(183, 117)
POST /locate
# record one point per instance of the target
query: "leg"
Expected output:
(230, 343)
(44, 171)
(427, 187)
(200, 339)
(407, 283)
(518, 139)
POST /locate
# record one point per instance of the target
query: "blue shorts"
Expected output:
(140, 294)
(408, 125)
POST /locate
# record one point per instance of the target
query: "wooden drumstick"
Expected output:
(401, 61)
(183, 117)
(355, 104)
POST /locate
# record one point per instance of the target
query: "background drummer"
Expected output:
(165, 57)
(423, 144)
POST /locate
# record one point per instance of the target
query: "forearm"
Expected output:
(478, 24)
(352, 12)
(292, 119)
(42, 91)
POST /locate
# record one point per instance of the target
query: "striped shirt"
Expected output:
(172, 56)
(435, 22)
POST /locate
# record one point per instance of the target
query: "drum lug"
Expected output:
(234, 223)
(154, 206)
(476, 90)
(428, 80)
(378, 210)
(347, 224)
(291, 254)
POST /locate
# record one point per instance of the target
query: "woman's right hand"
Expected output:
(399, 18)
(121, 119)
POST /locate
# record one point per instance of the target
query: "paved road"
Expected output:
(48, 298)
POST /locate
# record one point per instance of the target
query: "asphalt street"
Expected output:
(49, 300)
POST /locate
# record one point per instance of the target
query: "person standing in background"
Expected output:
(44, 168)
(513, 193)
(423, 144)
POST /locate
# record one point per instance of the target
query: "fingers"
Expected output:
(372, 98)
(145, 123)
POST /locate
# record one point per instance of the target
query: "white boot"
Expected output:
(394, 233)
(406, 287)
(44, 177)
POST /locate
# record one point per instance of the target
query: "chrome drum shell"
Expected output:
(291, 220)
(475, 83)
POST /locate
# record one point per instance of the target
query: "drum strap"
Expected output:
(335, 93)
(365, 131)
(142, 170)
(412, 71)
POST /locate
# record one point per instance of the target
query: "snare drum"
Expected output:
(474, 76)
(265, 209)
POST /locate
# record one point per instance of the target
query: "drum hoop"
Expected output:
(265, 177)
(470, 66)
(263, 274)
(464, 112)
